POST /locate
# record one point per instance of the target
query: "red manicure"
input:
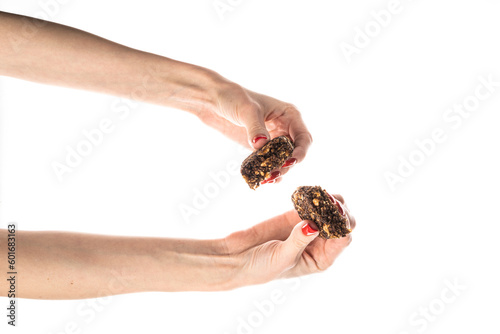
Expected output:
(308, 229)
(257, 138)
(289, 162)
(271, 179)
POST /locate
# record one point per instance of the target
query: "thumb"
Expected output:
(302, 235)
(256, 129)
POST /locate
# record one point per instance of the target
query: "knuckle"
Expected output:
(309, 138)
(256, 128)
(305, 138)
(289, 107)
(251, 114)
(299, 243)
(250, 108)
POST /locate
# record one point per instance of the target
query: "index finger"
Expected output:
(301, 137)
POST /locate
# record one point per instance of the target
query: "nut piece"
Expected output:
(259, 165)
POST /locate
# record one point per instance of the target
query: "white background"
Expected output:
(440, 225)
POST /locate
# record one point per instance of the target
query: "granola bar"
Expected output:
(259, 165)
(314, 203)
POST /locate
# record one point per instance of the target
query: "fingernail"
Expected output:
(308, 229)
(257, 138)
(337, 203)
(289, 162)
(271, 179)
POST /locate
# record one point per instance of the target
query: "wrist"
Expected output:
(224, 267)
(184, 86)
(193, 265)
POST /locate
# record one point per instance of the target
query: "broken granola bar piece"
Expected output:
(259, 165)
(314, 203)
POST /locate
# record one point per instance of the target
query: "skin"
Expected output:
(60, 55)
(65, 265)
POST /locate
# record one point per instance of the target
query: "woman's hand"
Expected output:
(65, 265)
(251, 119)
(283, 247)
(77, 59)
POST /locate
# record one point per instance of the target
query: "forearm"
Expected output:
(63, 265)
(60, 55)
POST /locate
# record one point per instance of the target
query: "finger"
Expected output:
(228, 129)
(272, 178)
(272, 181)
(352, 220)
(277, 174)
(289, 163)
(350, 217)
(302, 144)
(276, 228)
(302, 235)
(278, 180)
(339, 197)
(301, 137)
(333, 247)
(286, 168)
(253, 121)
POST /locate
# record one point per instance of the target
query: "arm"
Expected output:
(60, 55)
(63, 265)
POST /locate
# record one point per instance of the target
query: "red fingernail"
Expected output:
(337, 203)
(275, 175)
(308, 229)
(289, 162)
(271, 179)
(257, 138)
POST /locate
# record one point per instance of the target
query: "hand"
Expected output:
(66, 265)
(251, 119)
(74, 58)
(278, 248)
